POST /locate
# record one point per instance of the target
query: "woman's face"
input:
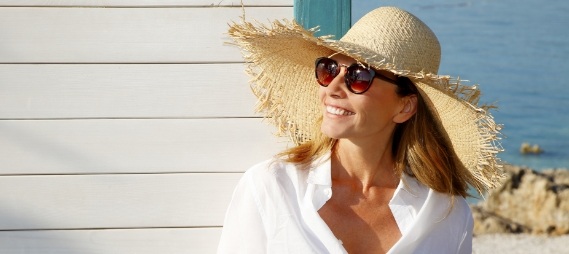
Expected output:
(373, 114)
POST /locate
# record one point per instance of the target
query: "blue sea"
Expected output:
(518, 53)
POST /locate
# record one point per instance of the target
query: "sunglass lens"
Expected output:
(358, 78)
(326, 71)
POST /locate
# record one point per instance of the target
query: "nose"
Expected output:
(337, 88)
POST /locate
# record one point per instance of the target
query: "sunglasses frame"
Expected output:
(374, 74)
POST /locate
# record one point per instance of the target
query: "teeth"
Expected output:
(338, 111)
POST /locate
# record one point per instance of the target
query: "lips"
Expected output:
(338, 111)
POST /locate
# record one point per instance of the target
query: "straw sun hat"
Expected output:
(281, 63)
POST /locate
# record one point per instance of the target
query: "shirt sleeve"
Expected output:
(243, 230)
(465, 246)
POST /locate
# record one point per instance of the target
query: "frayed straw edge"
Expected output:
(247, 30)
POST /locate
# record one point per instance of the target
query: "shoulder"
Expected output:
(269, 170)
(462, 214)
(423, 197)
(274, 185)
(461, 207)
(274, 175)
(444, 223)
(452, 210)
(438, 211)
(263, 169)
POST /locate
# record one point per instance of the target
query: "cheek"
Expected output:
(379, 111)
(321, 94)
(321, 91)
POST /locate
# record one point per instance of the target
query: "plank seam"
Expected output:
(139, 63)
(143, 7)
(132, 118)
(118, 228)
(125, 173)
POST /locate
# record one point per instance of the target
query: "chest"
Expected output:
(363, 224)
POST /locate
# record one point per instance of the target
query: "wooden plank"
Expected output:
(333, 18)
(145, 3)
(115, 201)
(113, 241)
(134, 146)
(124, 90)
(123, 35)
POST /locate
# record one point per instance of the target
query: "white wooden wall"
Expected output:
(124, 124)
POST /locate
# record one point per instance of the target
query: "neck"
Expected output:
(364, 164)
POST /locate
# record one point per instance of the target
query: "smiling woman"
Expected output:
(385, 147)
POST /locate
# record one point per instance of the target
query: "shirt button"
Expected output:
(328, 192)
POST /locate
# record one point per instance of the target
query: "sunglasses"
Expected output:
(358, 78)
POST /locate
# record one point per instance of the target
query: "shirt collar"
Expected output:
(320, 171)
(321, 168)
(408, 191)
(407, 200)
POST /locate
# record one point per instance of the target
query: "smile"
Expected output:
(338, 111)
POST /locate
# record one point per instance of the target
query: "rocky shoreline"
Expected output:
(528, 202)
(528, 213)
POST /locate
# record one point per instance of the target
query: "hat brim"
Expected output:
(281, 63)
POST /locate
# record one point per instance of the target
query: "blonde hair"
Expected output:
(420, 148)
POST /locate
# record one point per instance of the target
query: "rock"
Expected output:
(527, 202)
(526, 148)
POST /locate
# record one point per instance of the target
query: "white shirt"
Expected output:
(275, 206)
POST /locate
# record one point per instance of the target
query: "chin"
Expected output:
(332, 131)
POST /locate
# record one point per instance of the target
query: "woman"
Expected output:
(385, 150)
